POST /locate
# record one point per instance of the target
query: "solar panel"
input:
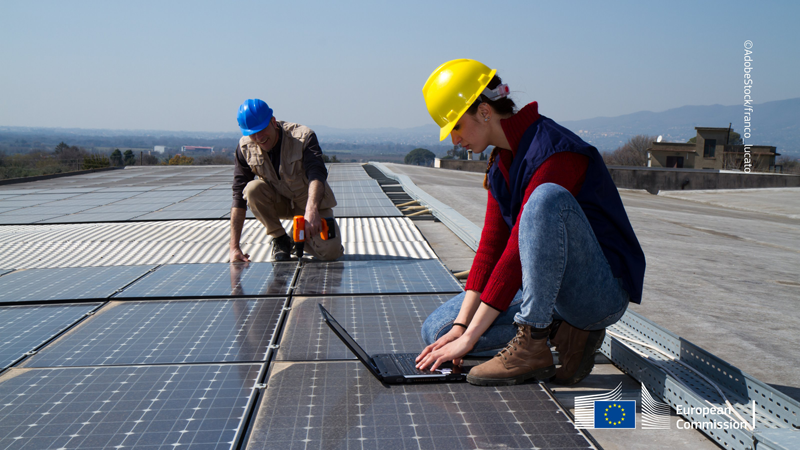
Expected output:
(24, 328)
(5, 271)
(210, 280)
(114, 208)
(344, 172)
(21, 202)
(376, 277)
(168, 332)
(54, 208)
(19, 191)
(341, 405)
(367, 211)
(13, 217)
(186, 205)
(69, 191)
(198, 406)
(69, 283)
(88, 216)
(380, 324)
(202, 213)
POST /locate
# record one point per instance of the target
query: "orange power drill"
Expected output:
(299, 233)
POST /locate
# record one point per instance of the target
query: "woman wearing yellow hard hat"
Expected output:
(558, 258)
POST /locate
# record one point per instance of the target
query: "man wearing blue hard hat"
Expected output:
(279, 173)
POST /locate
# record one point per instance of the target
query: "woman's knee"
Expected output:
(546, 201)
(429, 331)
(441, 320)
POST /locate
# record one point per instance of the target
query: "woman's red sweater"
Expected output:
(496, 270)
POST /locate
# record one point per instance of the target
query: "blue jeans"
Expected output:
(565, 276)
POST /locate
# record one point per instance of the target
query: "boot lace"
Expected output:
(512, 344)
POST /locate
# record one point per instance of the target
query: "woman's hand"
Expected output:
(450, 347)
(450, 336)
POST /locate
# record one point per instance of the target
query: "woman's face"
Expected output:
(471, 133)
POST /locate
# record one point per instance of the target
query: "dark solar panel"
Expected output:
(69, 283)
(219, 279)
(168, 332)
(341, 405)
(376, 277)
(23, 328)
(380, 324)
(196, 406)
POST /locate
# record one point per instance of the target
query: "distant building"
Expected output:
(159, 149)
(712, 151)
(195, 150)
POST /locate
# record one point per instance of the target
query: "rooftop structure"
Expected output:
(712, 150)
(137, 331)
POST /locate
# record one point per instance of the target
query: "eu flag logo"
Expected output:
(615, 414)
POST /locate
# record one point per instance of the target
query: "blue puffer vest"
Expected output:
(598, 198)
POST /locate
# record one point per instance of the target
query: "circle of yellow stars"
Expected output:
(622, 410)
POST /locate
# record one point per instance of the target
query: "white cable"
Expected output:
(672, 358)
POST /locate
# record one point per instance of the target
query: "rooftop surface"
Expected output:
(226, 355)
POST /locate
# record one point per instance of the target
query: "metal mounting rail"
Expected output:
(777, 415)
(458, 224)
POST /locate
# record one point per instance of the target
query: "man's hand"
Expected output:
(313, 222)
(236, 254)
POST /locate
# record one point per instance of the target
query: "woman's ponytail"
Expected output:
(495, 151)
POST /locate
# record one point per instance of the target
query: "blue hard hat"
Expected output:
(254, 116)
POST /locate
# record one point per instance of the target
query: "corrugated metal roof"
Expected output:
(187, 241)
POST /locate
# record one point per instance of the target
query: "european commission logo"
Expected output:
(616, 414)
(608, 410)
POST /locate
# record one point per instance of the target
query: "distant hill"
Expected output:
(773, 123)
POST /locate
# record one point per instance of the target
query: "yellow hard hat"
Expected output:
(452, 88)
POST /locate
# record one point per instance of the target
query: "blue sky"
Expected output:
(188, 65)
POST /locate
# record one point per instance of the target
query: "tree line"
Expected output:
(69, 158)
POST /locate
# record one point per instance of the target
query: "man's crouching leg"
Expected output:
(326, 250)
(269, 207)
(265, 203)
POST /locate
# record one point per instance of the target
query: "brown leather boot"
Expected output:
(526, 356)
(576, 349)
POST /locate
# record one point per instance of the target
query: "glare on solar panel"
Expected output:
(168, 332)
(375, 277)
(214, 280)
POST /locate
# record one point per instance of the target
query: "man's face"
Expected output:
(268, 137)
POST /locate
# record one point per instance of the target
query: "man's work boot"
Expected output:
(526, 356)
(281, 248)
(576, 349)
